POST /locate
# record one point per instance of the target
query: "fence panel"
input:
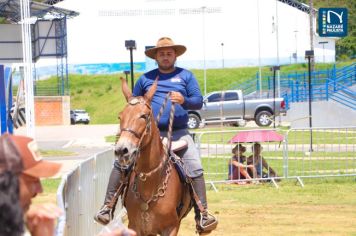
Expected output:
(321, 152)
(331, 153)
(87, 193)
(216, 152)
(104, 163)
(71, 199)
(82, 193)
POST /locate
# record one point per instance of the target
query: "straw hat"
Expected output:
(165, 42)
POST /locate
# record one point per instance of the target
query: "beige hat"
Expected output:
(165, 42)
(33, 164)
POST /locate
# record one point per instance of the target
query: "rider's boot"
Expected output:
(205, 222)
(106, 212)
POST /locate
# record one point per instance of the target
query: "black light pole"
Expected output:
(310, 55)
(126, 72)
(222, 55)
(274, 69)
(131, 45)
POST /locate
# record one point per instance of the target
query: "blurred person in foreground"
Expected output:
(21, 168)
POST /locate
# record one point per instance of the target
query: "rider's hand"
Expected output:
(120, 232)
(177, 97)
(41, 219)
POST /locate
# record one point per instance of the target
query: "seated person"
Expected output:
(237, 168)
(257, 160)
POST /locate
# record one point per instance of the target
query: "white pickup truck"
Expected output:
(230, 106)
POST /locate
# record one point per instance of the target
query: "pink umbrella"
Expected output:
(252, 136)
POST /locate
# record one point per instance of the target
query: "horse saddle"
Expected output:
(177, 161)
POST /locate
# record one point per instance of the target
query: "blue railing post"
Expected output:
(297, 91)
(3, 116)
(257, 82)
(334, 77)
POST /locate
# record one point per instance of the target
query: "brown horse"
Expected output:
(156, 199)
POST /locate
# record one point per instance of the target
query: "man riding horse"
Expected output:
(185, 93)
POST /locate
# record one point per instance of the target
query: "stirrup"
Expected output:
(100, 215)
(206, 229)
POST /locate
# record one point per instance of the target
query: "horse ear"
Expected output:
(125, 89)
(152, 90)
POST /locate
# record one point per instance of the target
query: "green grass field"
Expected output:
(321, 207)
(101, 95)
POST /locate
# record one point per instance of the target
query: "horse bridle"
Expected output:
(134, 101)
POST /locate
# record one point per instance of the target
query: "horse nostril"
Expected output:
(121, 151)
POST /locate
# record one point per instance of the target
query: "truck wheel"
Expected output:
(193, 121)
(264, 118)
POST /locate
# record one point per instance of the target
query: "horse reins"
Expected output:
(171, 118)
(143, 176)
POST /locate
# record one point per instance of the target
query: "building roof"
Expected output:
(11, 10)
(294, 3)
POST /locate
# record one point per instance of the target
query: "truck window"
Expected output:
(216, 97)
(230, 96)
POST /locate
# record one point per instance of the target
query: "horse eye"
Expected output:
(144, 116)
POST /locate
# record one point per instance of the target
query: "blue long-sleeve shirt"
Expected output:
(180, 80)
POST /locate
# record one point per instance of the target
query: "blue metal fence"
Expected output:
(327, 84)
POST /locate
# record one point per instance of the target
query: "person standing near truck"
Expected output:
(22, 166)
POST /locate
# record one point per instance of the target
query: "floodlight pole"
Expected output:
(274, 69)
(222, 55)
(310, 55)
(203, 9)
(126, 72)
(131, 45)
